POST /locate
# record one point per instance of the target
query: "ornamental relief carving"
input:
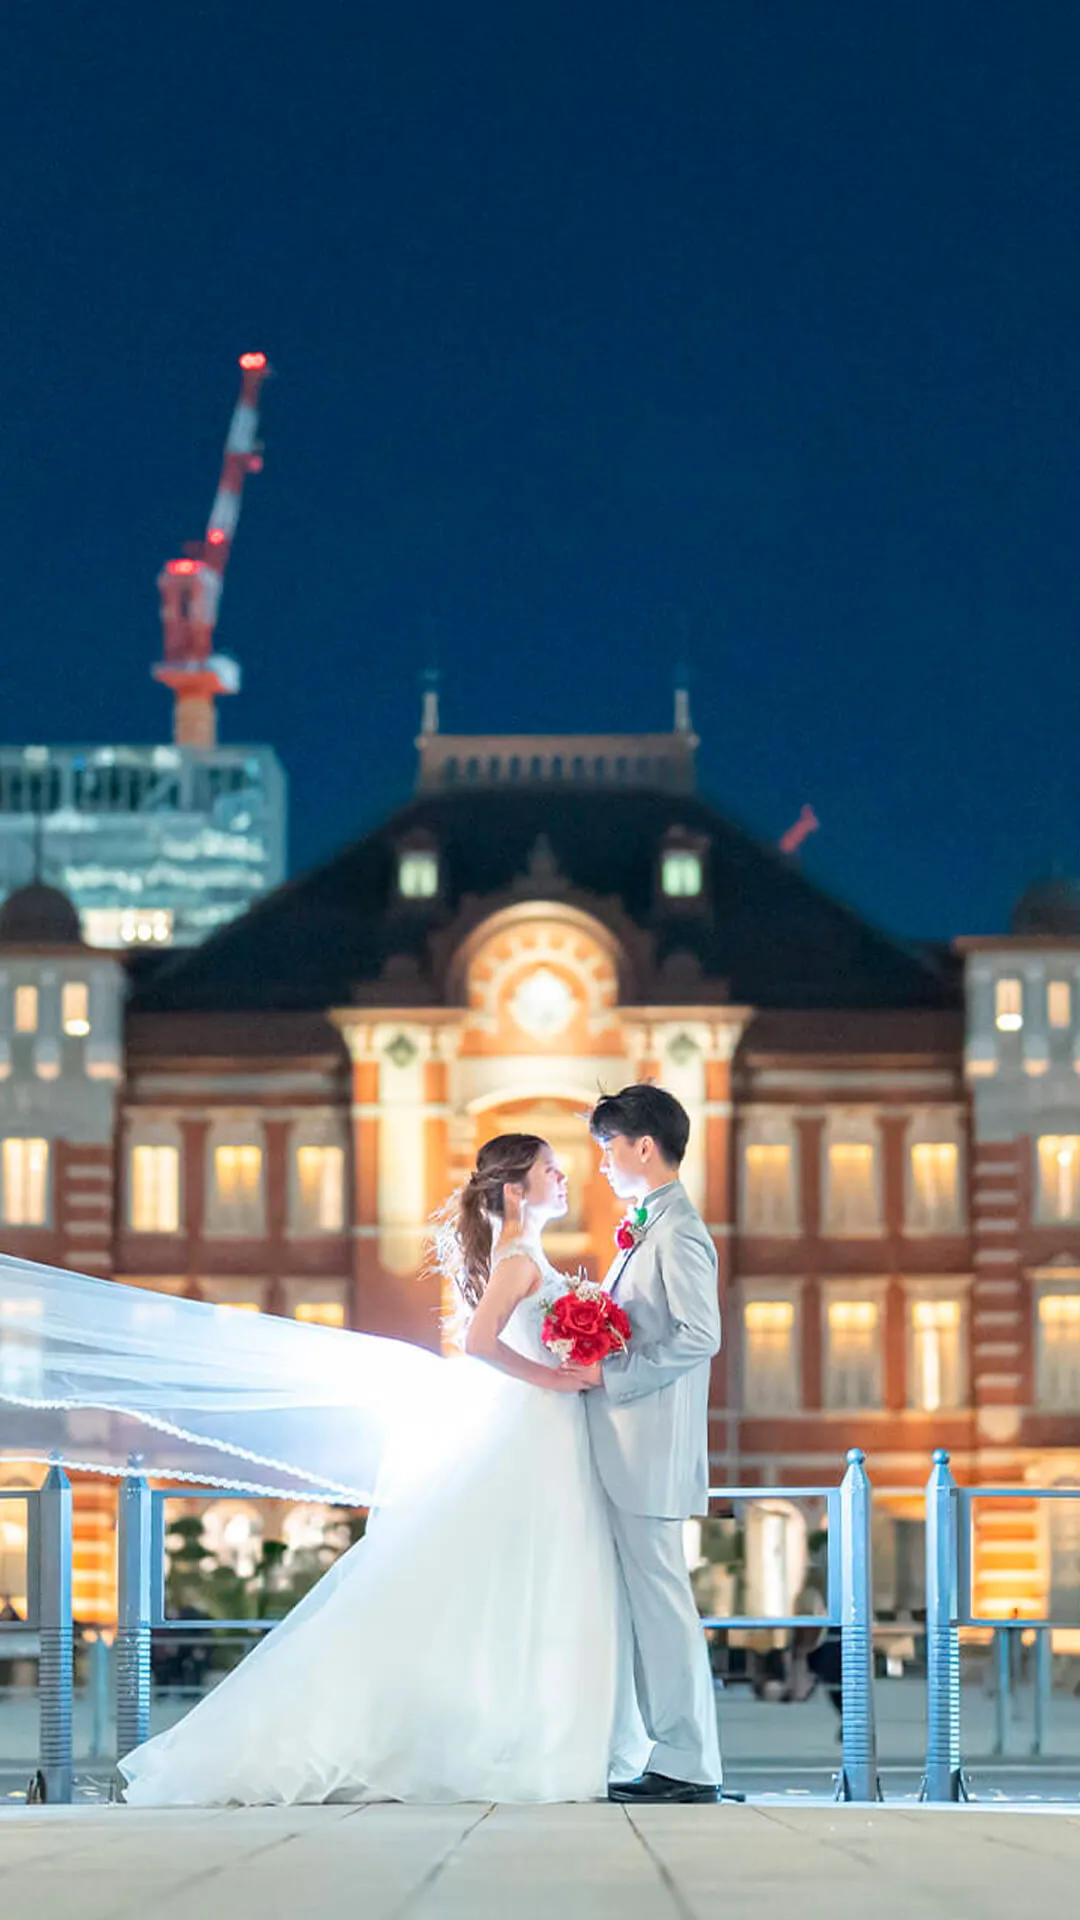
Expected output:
(533, 983)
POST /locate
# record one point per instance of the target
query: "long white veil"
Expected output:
(116, 1379)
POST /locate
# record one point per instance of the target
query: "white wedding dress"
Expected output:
(466, 1648)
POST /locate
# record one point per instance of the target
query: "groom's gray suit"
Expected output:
(649, 1429)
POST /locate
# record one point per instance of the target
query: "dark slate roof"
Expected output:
(761, 934)
(37, 915)
(1049, 907)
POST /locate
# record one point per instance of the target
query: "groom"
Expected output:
(648, 1422)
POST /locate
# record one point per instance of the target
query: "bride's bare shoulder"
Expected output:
(518, 1269)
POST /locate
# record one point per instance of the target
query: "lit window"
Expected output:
(852, 1200)
(321, 1313)
(75, 1008)
(1059, 1003)
(154, 1187)
(238, 1188)
(26, 1009)
(1009, 1005)
(418, 875)
(768, 1198)
(1059, 1176)
(935, 1186)
(680, 874)
(935, 1374)
(1059, 1351)
(853, 1354)
(320, 1190)
(25, 1182)
(770, 1378)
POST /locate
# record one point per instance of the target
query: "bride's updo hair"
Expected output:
(465, 1235)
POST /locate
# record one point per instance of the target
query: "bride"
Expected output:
(466, 1648)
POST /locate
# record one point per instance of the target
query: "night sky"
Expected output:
(743, 330)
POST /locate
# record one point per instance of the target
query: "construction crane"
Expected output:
(191, 588)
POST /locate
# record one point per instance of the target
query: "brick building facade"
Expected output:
(886, 1140)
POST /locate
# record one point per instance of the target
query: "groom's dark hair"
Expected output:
(641, 1110)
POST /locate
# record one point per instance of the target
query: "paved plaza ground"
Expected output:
(538, 1863)
(768, 1749)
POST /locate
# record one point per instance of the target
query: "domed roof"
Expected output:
(1050, 908)
(39, 916)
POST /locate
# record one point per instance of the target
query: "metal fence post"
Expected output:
(97, 1686)
(1044, 1679)
(858, 1779)
(1002, 1687)
(943, 1778)
(132, 1642)
(55, 1780)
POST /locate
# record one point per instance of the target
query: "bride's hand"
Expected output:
(580, 1379)
(567, 1379)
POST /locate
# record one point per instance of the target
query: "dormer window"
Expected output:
(680, 873)
(418, 874)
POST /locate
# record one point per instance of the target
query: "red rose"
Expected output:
(589, 1348)
(558, 1318)
(624, 1236)
(584, 1316)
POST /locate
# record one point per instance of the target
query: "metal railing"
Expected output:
(848, 1607)
(949, 1511)
(49, 1615)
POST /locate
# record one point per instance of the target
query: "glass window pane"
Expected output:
(935, 1379)
(418, 875)
(25, 1182)
(26, 1009)
(1059, 1350)
(680, 874)
(1009, 1005)
(853, 1353)
(75, 1007)
(935, 1184)
(320, 1181)
(321, 1313)
(852, 1187)
(1059, 1003)
(238, 1186)
(1059, 1176)
(155, 1189)
(768, 1200)
(770, 1366)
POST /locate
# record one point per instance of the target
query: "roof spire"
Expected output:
(429, 712)
(683, 722)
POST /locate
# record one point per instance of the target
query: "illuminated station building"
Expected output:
(885, 1144)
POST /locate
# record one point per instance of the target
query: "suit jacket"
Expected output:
(649, 1422)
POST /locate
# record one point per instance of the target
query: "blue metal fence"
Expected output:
(849, 1607)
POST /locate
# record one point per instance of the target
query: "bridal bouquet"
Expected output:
(584, 1324)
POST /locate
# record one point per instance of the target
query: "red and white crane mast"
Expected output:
(191, 588)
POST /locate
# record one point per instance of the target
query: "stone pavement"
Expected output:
(572, 1862)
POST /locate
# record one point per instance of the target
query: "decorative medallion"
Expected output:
(543, 1004)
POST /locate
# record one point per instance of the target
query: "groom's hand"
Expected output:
(586, 1376)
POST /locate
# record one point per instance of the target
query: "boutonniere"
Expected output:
(632, 1229)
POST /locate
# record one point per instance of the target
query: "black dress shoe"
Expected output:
(659, 1787)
